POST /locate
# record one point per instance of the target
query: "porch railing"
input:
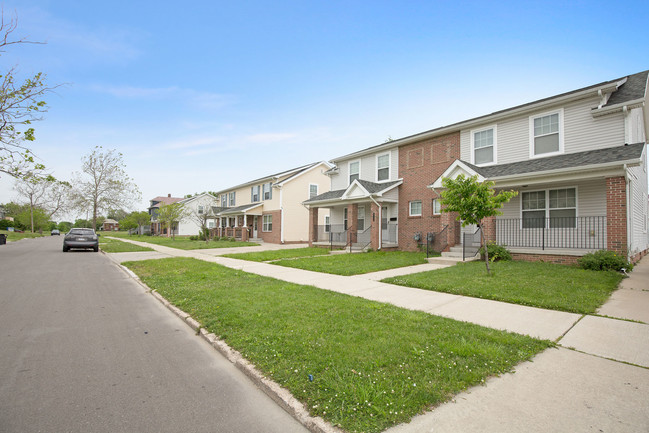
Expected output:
(471, 244)
(364, 238)
(544, 233)
(389, 234)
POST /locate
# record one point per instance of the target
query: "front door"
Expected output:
(384, 224)
(254, 227)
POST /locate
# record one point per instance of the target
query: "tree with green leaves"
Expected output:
(141, 219)
(473, 201)
(172, 214)
(103, 184)
(45, 193)
(20, 104)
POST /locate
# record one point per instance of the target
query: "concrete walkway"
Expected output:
(591, 388)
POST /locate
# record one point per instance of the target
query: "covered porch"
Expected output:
(241, 223)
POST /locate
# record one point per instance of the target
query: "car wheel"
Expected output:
(65, 249)
(96, 249)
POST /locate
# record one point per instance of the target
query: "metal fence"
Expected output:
(471, 243)
(389, 233)
(564, 232)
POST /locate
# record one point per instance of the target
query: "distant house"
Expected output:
(269, 208)
(156, 226)
(110, 225)
(200, 208)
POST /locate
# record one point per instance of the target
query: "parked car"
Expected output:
(81, 238)
(55, 232)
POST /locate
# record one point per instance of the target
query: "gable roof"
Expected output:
(239, 209)
(370, 188)
(292, 172)
(581, 160)
(164, 200)
(625, 89)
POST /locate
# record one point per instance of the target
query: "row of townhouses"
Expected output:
(578, 161)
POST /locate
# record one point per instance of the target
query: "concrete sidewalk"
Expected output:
(590, 389)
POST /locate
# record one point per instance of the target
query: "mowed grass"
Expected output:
(265, 256)
(372, 365)
(538, 284)
(15, 236)
(357, 263)
(114, 246)
(184, 243)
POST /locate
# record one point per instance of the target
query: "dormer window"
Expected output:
(546, 134)
(354, 171)
(483, 144)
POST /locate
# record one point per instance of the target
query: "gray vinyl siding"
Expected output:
(392, 195)
(638, 208)
(368, 169)
(582, 132)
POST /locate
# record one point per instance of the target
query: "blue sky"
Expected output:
(204, 95)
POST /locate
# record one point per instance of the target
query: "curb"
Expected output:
(275, 391)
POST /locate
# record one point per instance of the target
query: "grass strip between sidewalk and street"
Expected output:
(357, 263)
(265, 256)
(16, 236)
(184, 243)
(536, 284)
(359, 364)
(115, 246)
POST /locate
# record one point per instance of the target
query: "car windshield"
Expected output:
(87, 232)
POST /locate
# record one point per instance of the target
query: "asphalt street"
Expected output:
(83, 348)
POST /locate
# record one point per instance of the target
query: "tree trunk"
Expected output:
(486, 251)
(31, 214)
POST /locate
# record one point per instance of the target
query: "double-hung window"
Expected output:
(354, 171)
(313, 190)
(360, 220)
(437, 207)
(484, 146)
(268, 192)
(201, 210)
(267, 223)
(254, 194)
(415, 208)
(546, 134)
(345, 219)
(383, 167)
(224, 200)
(556, 206)
(233, 198)
(327, 227)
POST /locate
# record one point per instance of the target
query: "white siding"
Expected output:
(639, 239)
(582, 132)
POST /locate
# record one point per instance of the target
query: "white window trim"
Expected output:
(436, 200)
(264, 224)
(317, 190)
(531, 133)
(547, 202)
(200, 209)
(358, 214)
(410, 208)
(495, 145)
(327, 223)
(349, 171)
(389, 154)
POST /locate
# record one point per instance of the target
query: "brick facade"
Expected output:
(616, 217)
(313, 225)
(419, 165)
(274, 236)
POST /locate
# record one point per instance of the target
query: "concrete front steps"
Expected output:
(452, 257)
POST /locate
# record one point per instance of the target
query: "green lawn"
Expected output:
(115, 246)
(14, 236)
(183, 242)
(373, 365)
(265, 256)
(544, 285)
(357, 263)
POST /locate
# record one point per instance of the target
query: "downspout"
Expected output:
(380, 228)
(629, 228)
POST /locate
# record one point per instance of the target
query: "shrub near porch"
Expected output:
(536, 284)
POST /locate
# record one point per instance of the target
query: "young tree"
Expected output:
(202, 214)
(20, 105)
(168, 214)
(46, 193)
(473, 201)
(141, 219)
(103, 183)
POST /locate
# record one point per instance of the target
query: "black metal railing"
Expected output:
(364, 238)
(543, 233)
(389, 233)
(440, 240)
(471, 244)
(335, 234)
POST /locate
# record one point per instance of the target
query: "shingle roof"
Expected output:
(165, 200)
(580, 159)
(371, 187)
(633, 89)
(237, 209)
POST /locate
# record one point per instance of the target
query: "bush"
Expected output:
(497, 252)
(604, 260)
(193, 238)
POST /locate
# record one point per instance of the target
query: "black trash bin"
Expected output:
(3, 239)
